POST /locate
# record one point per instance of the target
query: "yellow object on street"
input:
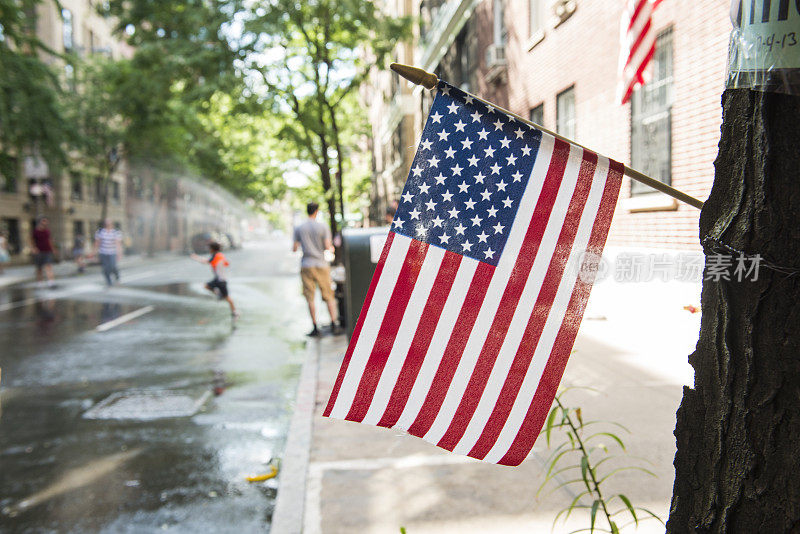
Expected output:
(266, 476)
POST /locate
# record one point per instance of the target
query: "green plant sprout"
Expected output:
(588, 453)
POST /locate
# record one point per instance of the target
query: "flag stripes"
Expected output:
(637, 45)
(467, 355)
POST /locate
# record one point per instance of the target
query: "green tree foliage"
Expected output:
(31, 117)
(309, 58)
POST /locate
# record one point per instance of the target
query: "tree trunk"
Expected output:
(737, 467)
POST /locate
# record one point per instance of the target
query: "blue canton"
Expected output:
(468, 177)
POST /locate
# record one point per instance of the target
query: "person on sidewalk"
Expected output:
(108, 246)
(5, 255)
(43, 251)
(219, 285)
(79, 252)
(315, 238)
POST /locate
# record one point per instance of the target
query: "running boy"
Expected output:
(219, 285)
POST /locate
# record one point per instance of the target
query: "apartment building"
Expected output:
(555, 62)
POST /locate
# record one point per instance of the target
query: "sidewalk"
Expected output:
(632, 349)
(27, 273)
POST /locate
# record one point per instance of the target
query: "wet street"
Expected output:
(140, 408)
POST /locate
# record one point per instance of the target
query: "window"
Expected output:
(500, 30)
(76, 186)
(565, 113)
(536, 115)
(67, 30)
(78, 230)
(535, 12)
(115, 192)
(651, 119)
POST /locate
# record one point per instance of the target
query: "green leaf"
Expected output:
(651, 514)
(607, 434)
(614, 529)
(630, 508)
(585, 469)
(402, 530)
(548, 426)
(595, 504)
(626, 468)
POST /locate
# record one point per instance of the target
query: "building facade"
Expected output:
(555, 62)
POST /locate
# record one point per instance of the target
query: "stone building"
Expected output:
(555, 62)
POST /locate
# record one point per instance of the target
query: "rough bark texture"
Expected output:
(737, 468)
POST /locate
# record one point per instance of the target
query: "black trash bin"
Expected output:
(362, 250)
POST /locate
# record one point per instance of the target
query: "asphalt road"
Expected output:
(140, 408)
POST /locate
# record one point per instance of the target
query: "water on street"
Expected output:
(140, 408)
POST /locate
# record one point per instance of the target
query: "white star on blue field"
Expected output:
(467, 179)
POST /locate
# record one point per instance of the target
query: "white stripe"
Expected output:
(433, 356)
(639, 56)
(644, 16)
(491, 302)
(372, 323)
(524, 309)
(554, 320)
(124, 318)
(405, 334)
(455, 300)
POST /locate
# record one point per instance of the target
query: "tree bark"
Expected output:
(737, 467)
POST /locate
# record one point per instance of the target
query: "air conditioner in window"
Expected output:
(496, 64)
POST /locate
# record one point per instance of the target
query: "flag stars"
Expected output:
(507, 202)
(463, 187)
(526, 150)
(447, 196)
(459, 126)
(501, 185)
(485, 194)
(421, 231)
(450, 153)
(482, 237)
(453, 213)
(504, 142)
(498, 228)
(479, 178)
(434, 161)
(468, 99)
(436, 118)
(498, 124)
(417, 171)
(488, 254)
(452, 108)
(512, 159)
(519, 133)
(470, 204)
(440, 179)
(444, 89)
(492, 212)
(426, 144)
(466, 246)
(443, 135)
(430, 205)
(459, 228)
(473, 161)
(495, 168)
(476, 117)
(456, 170)
(437, 222)
(407, 197)
(466, 144)
(444, 239)
(489, 151)
(517, 176)
(398, 223)
(483, 134)
(414, 214)
(476, 221)
(423, 188)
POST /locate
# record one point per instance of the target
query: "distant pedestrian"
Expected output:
(315, 238)
(79, 252)
(43, 251)
(219, 284)
(108, 247)
(5, 256)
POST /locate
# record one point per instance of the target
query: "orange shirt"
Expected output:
(218, 263)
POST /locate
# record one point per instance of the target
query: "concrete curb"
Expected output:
(290, 507)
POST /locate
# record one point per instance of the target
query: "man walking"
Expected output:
(43, 251)
(108, 246)
(315, 238)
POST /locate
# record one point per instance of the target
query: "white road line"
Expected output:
(124, 319)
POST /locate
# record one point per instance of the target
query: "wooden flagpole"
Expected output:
(429, 81)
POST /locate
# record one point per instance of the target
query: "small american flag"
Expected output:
(477, 298)
(637, 45)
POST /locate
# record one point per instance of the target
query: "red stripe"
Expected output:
(554, 369)
(422, 338)
(638, 77)
(401, 294)
(639, 38)
(636, 12)
(359, 324)
(455, 347)
(541, 310)
(511, 295)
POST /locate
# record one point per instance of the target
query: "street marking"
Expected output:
(124, 318)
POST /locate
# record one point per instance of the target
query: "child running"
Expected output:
(219, 285)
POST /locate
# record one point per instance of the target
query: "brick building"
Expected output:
(556, 63)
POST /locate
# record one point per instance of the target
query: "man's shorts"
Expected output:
(316, 276)
(221, 285)
(41, 259)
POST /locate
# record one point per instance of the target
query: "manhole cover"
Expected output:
(145, 405)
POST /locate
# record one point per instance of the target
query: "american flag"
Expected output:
(637, 45)
(475, 304)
